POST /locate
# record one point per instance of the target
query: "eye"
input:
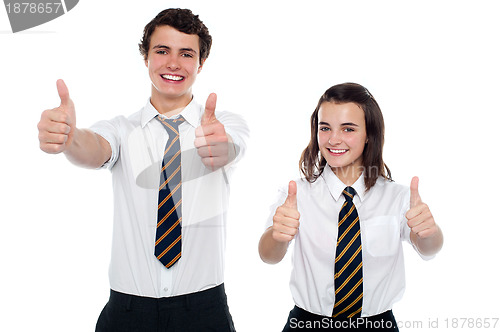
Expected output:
(187, 55)
(324, 128)
(161, 52)
(348, 129)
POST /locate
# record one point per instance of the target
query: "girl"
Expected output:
(348, 219)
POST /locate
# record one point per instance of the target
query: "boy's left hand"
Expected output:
(419, 216)
(211, 138)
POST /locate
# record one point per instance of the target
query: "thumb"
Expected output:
(291, 200)
(414, 195)
(63, 92)
(209, 114)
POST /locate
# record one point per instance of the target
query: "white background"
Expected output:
(432, 66)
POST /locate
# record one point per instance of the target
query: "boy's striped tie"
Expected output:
(348, 261)
(168, 228)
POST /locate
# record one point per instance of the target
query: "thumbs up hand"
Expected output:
(286, 219)
(57, 125)
(211, 139)
(419, 216)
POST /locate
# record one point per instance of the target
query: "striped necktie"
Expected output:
(168, 228)
(348, 261)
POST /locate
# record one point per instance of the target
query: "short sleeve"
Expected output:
(109, 130)
(237, 128)
(278, 201)
(405, 229)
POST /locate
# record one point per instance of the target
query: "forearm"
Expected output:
(428, 246)
(88, 149)
(270, 250)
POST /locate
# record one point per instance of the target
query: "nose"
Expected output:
(334, 138)
(172, 63)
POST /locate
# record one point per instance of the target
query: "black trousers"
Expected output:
(201, 311)
(302, 320)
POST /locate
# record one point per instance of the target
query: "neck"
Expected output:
(348, 175)
(170, 106)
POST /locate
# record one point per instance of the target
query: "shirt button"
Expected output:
(165, 289)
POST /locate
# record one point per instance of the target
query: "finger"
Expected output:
(420, 217)
(203, 131)
(63, 92)
(54, 115)
(283, 229)
(287, 218)
(421, 211)
(57, 128)
(51, 138)
(200, 142)
(214, 163)
(414, 195)
(429, 232)
(213, 151)
(213, 140)
(420, 228)
(209, 114)
(205, 152)
(291, 200)
(52, 148)
(280, 237)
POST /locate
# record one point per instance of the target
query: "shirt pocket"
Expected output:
(381, 236)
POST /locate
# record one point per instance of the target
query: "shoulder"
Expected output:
(384, 184)
(114, 129)
(230, 118)
(306, 185)
(134, 117)
(119, 120)
(390, 190)
(235, 125)
(309, 190)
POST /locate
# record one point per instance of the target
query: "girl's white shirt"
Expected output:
(383, 225)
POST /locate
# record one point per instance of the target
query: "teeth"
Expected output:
(337, 151)
(172, 77)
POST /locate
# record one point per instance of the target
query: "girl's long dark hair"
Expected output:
(312, 162)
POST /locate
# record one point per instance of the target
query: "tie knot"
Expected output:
(172, 125)
(349, 193)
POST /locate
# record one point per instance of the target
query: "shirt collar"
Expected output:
(336, 186)
(191, 113)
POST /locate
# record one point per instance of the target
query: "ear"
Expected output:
(200, 67)
(146, 62)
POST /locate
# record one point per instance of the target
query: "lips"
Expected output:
(337, 151)
(170, 77)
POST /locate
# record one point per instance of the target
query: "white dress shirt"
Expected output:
(383, 225)
(138, 144)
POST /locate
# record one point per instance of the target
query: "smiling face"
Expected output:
(342, 138)
(173, 63)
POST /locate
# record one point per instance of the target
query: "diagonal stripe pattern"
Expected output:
(348, 261)
(168, 226)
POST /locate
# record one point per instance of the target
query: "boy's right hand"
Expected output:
(57, 125)
(286, 219)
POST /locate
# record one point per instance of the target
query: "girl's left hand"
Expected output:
(419, 216)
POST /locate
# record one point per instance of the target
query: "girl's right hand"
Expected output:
(286, 219)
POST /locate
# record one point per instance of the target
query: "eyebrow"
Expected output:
(185, 49)
(342, 124)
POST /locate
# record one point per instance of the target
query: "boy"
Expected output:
(169, 164)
